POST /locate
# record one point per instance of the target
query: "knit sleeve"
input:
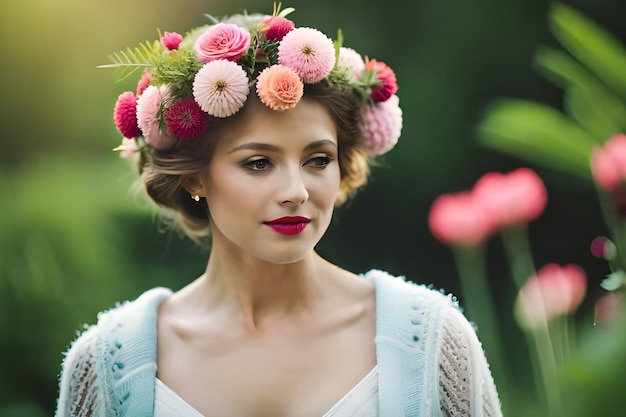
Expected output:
(80, 393)
(466, 387)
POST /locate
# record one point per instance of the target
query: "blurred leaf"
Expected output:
(592, 45)
(538, 133)
(588, 101)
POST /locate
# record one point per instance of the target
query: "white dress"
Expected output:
(360, 401)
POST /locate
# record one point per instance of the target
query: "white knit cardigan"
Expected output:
(430, 362)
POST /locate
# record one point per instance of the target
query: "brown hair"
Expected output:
(164, 173)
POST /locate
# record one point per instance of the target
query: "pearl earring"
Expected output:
(195, 197)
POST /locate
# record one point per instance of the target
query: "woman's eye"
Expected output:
(319, 161)
(258, 164)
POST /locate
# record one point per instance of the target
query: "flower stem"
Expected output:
(478, 302)
(517, 248)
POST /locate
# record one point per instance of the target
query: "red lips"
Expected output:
(289, 225)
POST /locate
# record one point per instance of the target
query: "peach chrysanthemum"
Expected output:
(381, 125)
(186, 120)
(149, 106)
(279, 87)
(308, 52)
(221, 88)
(125, 115)
(352, 62)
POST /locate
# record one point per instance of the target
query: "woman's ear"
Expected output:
(194, 185)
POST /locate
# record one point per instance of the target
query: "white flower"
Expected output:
(221, 88)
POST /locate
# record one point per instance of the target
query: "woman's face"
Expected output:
(272, 182)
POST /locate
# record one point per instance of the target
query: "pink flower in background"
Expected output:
(607, 308)
(186, 120)
(222, 41)
(603, 248)
(458, 219)
(514, 198)
(125, 115)
(144, 82)
(276, 27)
(381, 125)
(308, 52)
(221, 88)
(352, 62)
(552, 292)
(608, 163)
(149, 106)
(279, 87)
(388, 84)
(171, 40)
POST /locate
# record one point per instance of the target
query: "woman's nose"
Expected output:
(292, 187)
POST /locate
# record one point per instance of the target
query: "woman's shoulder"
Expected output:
(398, 288)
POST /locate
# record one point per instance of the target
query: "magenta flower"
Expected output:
(221, 88)
(222, 41)
(386, 85)
(308, 52)
(608, 164)
(352, 62)
(552, 292)
(381, 125)
(144, 82)
(276, 27)
(125, 115)
(603, 248)
(457, 219)
(514, 198)
(171, 40)
(186, 120)
(149, 107)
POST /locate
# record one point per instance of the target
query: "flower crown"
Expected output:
(211, 70)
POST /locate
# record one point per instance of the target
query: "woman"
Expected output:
(250, 133)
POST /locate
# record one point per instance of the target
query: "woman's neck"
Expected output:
(261, 292)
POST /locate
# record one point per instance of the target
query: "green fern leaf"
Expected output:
(127, 62)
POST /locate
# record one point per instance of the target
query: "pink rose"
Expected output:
(222, 41)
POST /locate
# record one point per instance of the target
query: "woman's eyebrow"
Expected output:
(272, 148)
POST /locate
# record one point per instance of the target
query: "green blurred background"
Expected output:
(74, 238)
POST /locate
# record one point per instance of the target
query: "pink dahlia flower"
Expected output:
(186, 120)
(352, 62)
(125, 115)
(276, 27)
(381, 125)
(149, 107)
(387, 85)
(457, 219)
(144, 82)
(308, 52)
(514, 198)
(279, 87)
(221, 88)
(222, 41)
(171, 40)
(552, 292)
